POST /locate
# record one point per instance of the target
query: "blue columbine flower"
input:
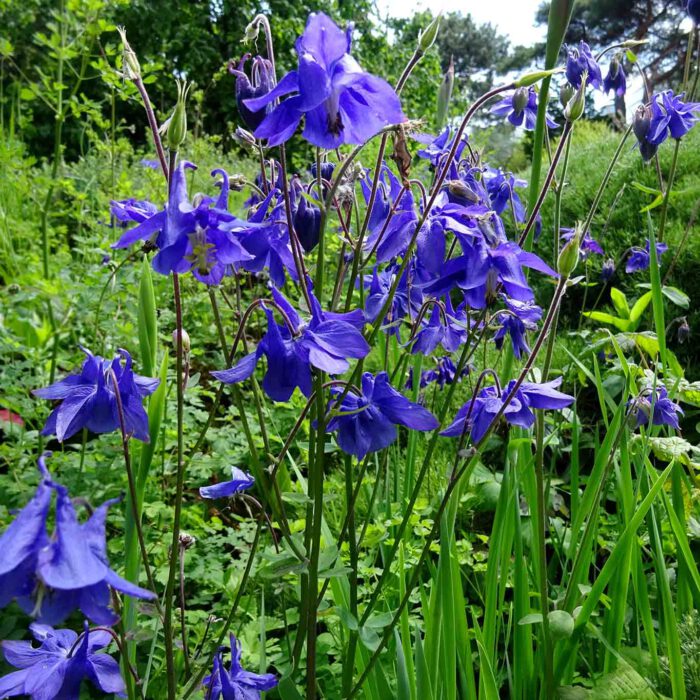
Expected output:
(444, 372)
(367, 423)
(341, 102)
(51, 577)
(670, 116)
(240, 481)
(325, 342)
(406, 302)
(261, 81)
(446, 326)
(56, 669)
(520, 107)
(640, 258)
(476, 416)
(88, 399)
(665, 411)
(235, 683)
(306, 217)
(580, 60)
(437, 148)
(189, 237)
(520, 318)
(587, 246)
(615, 80)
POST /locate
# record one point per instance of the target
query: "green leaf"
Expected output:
(619, 301)
(669, 448)
(622, 324)
(676, 296)
(531, 619)
(640, 306)
(147, 320)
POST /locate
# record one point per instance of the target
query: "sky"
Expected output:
(514, 18)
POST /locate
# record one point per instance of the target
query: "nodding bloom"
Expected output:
(235, 683)
(341, 102)
(445, 327)
(587, 245)
(190, 236)
(52, 576)
(445, 372)
(476, 416)
(240, 481)
(325, 342)
(406, 302)
(261, 81)
(670, 116)
(306, 217)
(608, 270)
(502, 195)
(615, 80)
(56, 668)
(367, 423)
(520, 318)
(88, 400)
(437, 148)
(520, 108)
(640, 258)
(580, 60)
(659, 408)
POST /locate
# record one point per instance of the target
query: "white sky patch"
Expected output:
(514, 18)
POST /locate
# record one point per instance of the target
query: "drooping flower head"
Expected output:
(476, 416)
(235, 683)
(52, 576)
(367, 422)
(520, 108)
(444, 372)
(580, 60)
(520, 317)
(437, 148)
(240, 481)
(640, 258)
(444, 326)
(670, 116)
(657, 406)
(88, 400)
(341, 102)
(261, 81)
(56, 668)
(615, 79)
(325, 342)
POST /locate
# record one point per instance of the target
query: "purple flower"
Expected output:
(341, 102)
(367, 423)
(188, 237)
(520, 318)
(476, 416)
(501, 190)
(445, 372)
(437, 148)
(235, 683)
(52, 576)
(588, 245)
(664, 412)
(258, 85)
(325, 342)
(482, 268)
(240, 481)
(608, 270)
(56, 669)
(306, 217)
(641, 124)
(580, 60)
(520, 107)
(406, 302)
(615, 80)
(445, 327)
(88, 399)
(671, 116)
(640, 258)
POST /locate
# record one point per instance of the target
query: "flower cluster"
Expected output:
(51, 576)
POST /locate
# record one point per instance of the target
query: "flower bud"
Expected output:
(577, 104)
(531, 78)
(569, 255)
(683, 330)
(186, 540)
(445, 94)
(520, 99)
(244, 138)
(566, 92)
(561, 624)
(641, 123)
(185, 340)
(462, 191)
(261, 81)
(427, 36)
(608, 270)
(177, 124)
(251, 32)
(130, 63)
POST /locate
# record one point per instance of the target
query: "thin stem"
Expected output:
(667, 191)
(153, 125)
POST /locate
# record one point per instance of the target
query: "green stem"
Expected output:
(667, 192)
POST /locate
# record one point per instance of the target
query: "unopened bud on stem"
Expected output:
(569, 255)
(426, 37)
(577, 104)
(177, 124)
(130, 63)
